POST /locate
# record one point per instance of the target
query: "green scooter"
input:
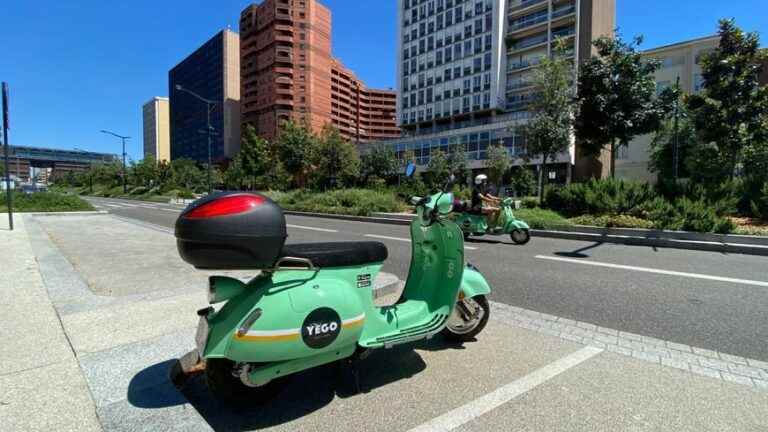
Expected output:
(506, 223)
(313, 304)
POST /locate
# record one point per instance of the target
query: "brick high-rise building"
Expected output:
(288, 72)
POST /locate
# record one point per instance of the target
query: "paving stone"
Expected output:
(571, 337)
(738, 379)
(761, 384)
(608, 331)
(654, 350)
(631, 336)
(653, 341)
(705, 352)
(684, 356)
(634, 345)
(595, 343)
(645, 356)
(679, 347)
(733, 358)
(758, 364)
(587, 326)
(566, 321)
(675, 363)
(607, 339)
(712, 373)
(714, 364)
(548, 317)
(746, 371)
(619, 350)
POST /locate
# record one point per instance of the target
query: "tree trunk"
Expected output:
(541, 181)
(613, 159)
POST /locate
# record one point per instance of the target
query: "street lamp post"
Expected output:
(210, 105)
(122, 138)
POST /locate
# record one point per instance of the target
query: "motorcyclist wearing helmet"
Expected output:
(483, 202)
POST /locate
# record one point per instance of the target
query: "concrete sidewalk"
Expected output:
(41, 385)
(106, 335)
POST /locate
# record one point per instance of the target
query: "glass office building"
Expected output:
(212, 71)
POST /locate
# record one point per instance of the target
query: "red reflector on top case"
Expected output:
(226, 206)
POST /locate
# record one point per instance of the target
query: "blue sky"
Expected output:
(75, 67)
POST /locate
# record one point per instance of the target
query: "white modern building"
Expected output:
(464, 71)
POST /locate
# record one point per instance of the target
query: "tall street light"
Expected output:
(210, 106)
(123, 138)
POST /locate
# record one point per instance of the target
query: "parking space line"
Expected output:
(312, 228)
(484, 404)
(404, 240)
(657, 271)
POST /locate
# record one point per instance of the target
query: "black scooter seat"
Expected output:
(337, 254)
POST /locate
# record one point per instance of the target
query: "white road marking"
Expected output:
(404, 240)
(388, 238)
(484, 404)
(312, 228)
(113, 205)
(657, 271)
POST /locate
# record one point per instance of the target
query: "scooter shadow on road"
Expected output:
(305, 393)
(579, 253)
(486, 241)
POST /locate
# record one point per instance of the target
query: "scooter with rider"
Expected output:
(489, 214)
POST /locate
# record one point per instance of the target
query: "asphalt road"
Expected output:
(704, 299)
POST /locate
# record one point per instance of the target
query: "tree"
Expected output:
(294, 144)
(458, 164)
(254, 159)
(523, 181)
(379, 162)
(549, 131)
(145, 172)
(617, 97)
(731, 114)
(497, 165)
(186, 174)
(438, 169)
(662, 150)
(335, 161)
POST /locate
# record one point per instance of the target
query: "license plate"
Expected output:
(201, 337)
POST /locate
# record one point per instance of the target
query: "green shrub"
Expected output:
(530, 202)
(541, 219)
(599, 197)
(46, 202)
(358, 202)
(611, 221)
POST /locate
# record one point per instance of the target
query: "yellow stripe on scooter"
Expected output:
(353, 322)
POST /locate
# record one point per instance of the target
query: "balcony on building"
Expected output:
(517, 7)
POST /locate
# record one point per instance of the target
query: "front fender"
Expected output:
(473, 283)
(517, 224)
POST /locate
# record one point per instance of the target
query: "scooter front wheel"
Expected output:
(469, 317)
(520, 236)
(224, 382)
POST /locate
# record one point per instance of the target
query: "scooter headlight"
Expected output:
(221, 288)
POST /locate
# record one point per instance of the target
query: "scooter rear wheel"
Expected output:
(224, 382)
(461, 328)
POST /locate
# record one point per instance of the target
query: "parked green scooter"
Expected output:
(313, 304)
(477, 224)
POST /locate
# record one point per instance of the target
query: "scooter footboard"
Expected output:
(473, 283)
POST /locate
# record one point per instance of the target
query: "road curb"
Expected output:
(74, 213)
(720, 243)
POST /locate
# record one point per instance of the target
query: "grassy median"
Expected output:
(45, 202)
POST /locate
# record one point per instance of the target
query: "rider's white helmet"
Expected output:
(482, 178)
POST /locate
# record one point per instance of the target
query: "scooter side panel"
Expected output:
(516, 224)
(473, 283)
(301, 314)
